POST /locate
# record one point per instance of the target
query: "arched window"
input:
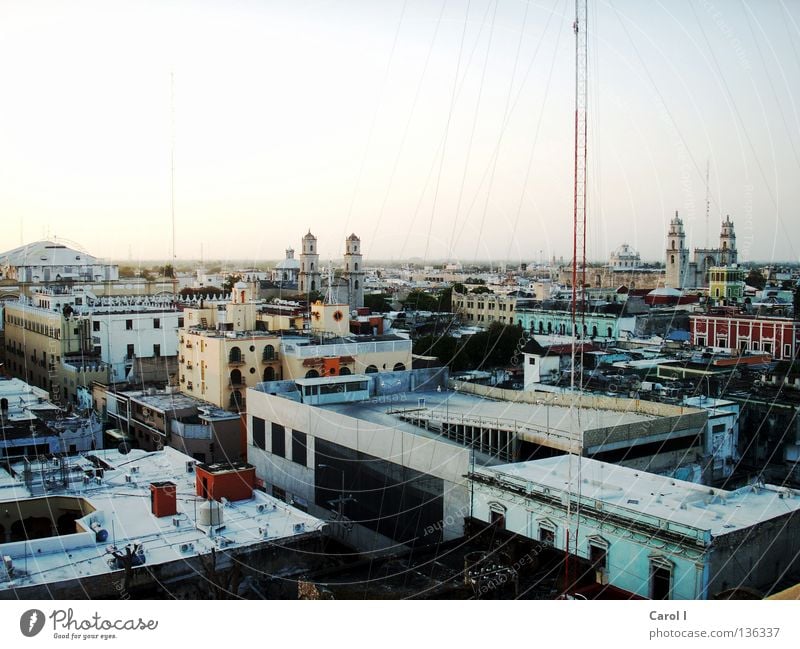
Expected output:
(312, 374)
(344, 371)
(673, 244)
(672, 259)
(313, 285)
(355, 266)
(399, 367)
(236, 378)
(312, 266)
(269, 374)
(269, 353)
(371, 369)
(356, 284)
(235, 355)
(236, 400)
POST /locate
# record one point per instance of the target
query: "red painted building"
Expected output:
(779, 337)
(230, 480)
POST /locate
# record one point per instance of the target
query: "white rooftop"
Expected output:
(696, 506)
(123, 509)
(46, 253)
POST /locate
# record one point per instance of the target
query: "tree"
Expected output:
(458, 287)
(755, 279)
(377, 302)
(479, 290)
(230, 280)
(168, 271)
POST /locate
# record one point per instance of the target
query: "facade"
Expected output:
(649, 535)
(557, 322)
(61, 338)
(309, 265)
(381, 482)
(741, 333)
(685, 272)
(44, 262)
(482, 309)
(154, 419)
(726, 284)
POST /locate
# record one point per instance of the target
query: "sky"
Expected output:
(433, 129)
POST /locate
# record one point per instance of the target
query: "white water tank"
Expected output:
(210, 513)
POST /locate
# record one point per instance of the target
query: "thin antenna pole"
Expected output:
(172, 169)
(708, 202)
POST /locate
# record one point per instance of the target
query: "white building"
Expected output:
(287, 271)
(625, 258)
(42, 262)
(652, 536)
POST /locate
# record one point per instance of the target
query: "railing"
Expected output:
(236, 360)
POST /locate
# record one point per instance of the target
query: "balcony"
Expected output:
(270, 358)
(234, 360)
(237, 384)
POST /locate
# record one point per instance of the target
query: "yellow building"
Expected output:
(726, 283)
(220, 352)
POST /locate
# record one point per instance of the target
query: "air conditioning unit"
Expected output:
(134, 469)
(187, 547)
(261, 508)
(190, 466)
(299, 528)
(128, 478)
(176, 521)
(98, 480)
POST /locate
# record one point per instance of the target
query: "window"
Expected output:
(180, 323)
(130, 351)
(157, 351)
(547, 533)
(532, 360)
(660, 578)
(497, 515)
(299, 445)
(598, 553)
(278, 493)
(96, 325)
(129, 325)
(258, 433)
(718, 428)
(787, 351)
(278, 440)
(156, 323)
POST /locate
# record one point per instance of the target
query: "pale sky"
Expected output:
(432, 129)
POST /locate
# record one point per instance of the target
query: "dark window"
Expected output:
(156, 323)
(278, 493)
(660, 578)
(498, 519)
(532, 361)
(130, 351)
(156, 350)
(547, 535)
(258, 433)
(180, 323)
(299, 445)
(96, 325)
(598, 556)
(278, 440)
(129, 324)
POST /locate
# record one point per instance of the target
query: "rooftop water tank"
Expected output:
(210, 513)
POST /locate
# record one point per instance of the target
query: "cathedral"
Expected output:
(346, 289)
(683, 272)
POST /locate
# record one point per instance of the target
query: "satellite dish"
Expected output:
(124, 448)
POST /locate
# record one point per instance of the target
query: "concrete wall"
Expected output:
(431, 456)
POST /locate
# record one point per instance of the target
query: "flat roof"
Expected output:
(123, 509)
(697, 506)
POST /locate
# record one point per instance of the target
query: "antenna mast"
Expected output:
(579, 189)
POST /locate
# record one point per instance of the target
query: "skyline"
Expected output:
(334, 116)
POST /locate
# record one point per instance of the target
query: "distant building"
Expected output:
(44, 262)
(726, 284)
(683, 272)
(625, 258)
(309, 265)
(287, 271)
(482, 309)
(779, 337)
